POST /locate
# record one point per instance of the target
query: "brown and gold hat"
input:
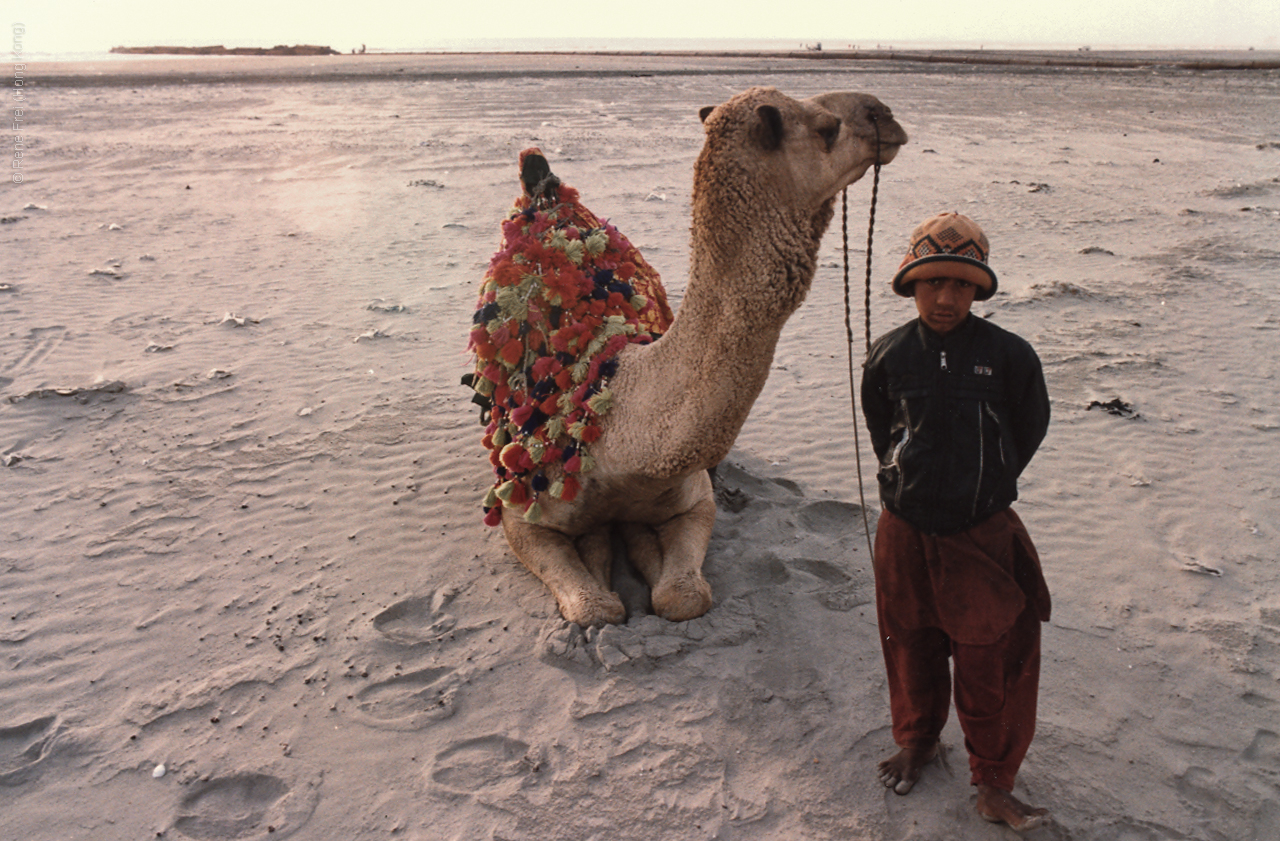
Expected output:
(947, 245)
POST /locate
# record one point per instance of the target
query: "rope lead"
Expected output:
(848, 320)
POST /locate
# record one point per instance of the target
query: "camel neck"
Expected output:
(702, 378)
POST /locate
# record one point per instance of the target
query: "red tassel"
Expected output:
(512, 456)
(520, 414)
(512, 351)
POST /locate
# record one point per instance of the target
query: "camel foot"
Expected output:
(901, 771)
(1000, 806)
(592, 608)
(687, 596)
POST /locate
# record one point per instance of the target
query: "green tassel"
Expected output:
(533, 513)
(556, 490)
(508, 301)
(614, 325)
(597, 242)
(505, 490)
(491, 498)
(500, 437)
(601, 403)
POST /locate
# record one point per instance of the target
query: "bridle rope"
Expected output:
(848, 320)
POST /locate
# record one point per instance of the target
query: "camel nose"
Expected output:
(868, 117)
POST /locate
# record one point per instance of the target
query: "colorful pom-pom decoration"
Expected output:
(564, 294)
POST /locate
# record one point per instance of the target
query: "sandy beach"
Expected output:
(245, 588)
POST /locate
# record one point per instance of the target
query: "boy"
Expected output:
(956, 407)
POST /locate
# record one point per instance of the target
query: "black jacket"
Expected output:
(954, 421)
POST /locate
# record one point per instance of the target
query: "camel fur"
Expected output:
(763, 194)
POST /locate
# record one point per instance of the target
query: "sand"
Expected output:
(245, 592)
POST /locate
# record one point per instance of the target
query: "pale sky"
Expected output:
(60, 26)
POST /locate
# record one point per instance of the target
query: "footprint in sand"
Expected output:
(1264, 749)
(830, 516)
(417, 620)
(410, 701)
(489, 767)
(836, 588)
(244, 807)
(22, 749)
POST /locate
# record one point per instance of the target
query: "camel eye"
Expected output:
(829, 133)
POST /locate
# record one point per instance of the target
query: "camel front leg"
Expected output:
(595, 548)
(553, 557)
(681, 592)
(643, 550)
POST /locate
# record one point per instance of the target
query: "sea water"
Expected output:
(591, 45)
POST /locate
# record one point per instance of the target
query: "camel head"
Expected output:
(805, 151)
(765, 184)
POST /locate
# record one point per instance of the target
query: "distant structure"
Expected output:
(279, 49)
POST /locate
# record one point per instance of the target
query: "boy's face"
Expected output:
(944, 302)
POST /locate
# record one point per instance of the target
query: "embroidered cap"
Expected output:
(947, 245)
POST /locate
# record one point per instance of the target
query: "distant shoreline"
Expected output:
(260, 66)
(297, 49)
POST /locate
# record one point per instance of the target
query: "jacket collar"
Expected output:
(931, 339)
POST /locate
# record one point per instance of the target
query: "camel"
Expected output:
(764, 189)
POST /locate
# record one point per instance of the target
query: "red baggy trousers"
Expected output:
(978, 598)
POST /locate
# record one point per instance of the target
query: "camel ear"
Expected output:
(770, 130)
(705, 112)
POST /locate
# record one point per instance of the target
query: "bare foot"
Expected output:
(900, 771)
(1002, 807)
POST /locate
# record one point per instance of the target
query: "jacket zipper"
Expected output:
(982, 456)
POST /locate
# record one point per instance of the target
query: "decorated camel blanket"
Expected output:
(564, 294)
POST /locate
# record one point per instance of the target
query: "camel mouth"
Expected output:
(889, 151)
(887, 134)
